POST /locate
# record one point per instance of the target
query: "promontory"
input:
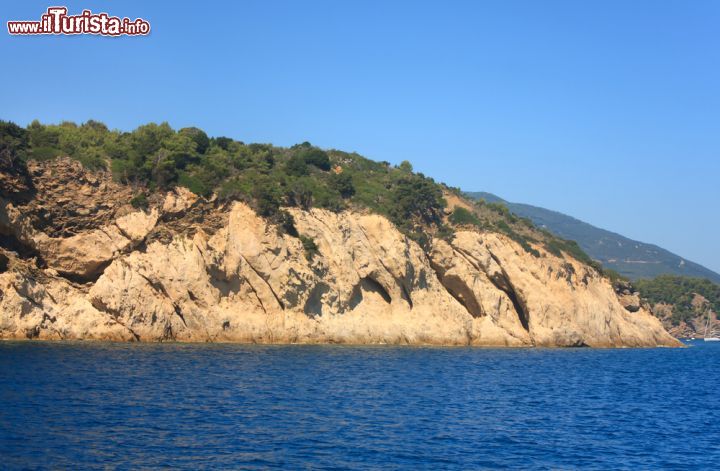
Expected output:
(163, 235)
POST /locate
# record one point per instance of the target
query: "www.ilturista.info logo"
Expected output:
(57, 21)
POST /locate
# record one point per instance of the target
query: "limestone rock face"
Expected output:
(248, 283)
(178, 201)
(367, 284)
(82, 255)
(189, 270)
(556, 301)
(48, 307)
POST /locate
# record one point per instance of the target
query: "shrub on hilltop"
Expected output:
(157, 157)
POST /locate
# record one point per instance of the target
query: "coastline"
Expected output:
(190, 269)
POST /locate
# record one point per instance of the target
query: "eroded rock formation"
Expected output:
(187, 271)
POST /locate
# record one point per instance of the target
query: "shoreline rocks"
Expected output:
(239, 279)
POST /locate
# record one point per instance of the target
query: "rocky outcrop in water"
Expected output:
(86, 265)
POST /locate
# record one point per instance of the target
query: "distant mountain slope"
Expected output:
(626, 256)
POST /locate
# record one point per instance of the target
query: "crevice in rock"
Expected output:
(356, 297)
(33, 332)
(23, 250)
(314, 306)
(95, 273)
(371, 285)
(91, 277)
(47, 324)
(458, 290)
(321, 221)
(277, 298)
(220, 281)
(502, 282)
(468, 258)
(230, 285)
(114, 315)
(257, 296)
(405, 293)
(167, 332)
(135, 335)
(160, 288)
(204, 215)
(122, 232)
(179, 313)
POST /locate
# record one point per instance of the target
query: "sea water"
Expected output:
(98, 405)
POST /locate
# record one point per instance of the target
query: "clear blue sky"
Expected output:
(606, 110)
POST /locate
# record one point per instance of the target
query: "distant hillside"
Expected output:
(626, 256)
(688, 307)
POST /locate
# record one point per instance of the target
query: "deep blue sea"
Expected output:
(128, 406)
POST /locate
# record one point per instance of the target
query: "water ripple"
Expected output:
(97, 405)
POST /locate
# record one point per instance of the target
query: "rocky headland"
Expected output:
(78, 262)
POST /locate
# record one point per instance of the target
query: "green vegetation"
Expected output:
(628, 257)
(499, 208)
(556, 246)
(156, 157)
(311, 248)
(496, 217)
(607, 252)
(313, 156)
(343, 184)
(415, 198)
(679, 292)
(614, 276)
(461, 216)
(524, 241)
(13, 143)
(139, 201)
(13, 149)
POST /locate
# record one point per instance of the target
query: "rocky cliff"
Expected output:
(703, 321)
(78, 262)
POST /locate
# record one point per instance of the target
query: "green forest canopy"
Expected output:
(679, 292)
(157, 157)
